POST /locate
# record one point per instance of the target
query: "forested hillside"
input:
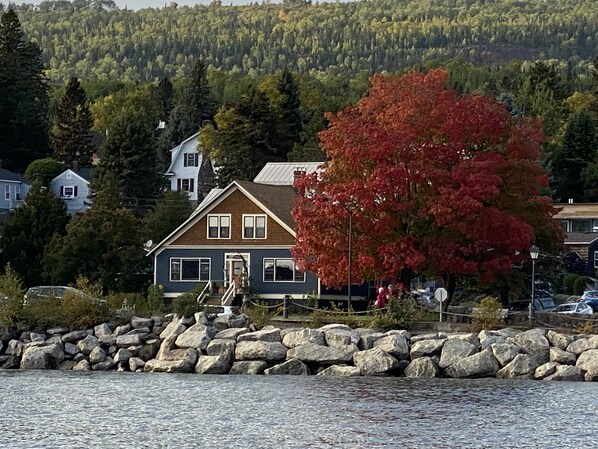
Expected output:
(91, 41)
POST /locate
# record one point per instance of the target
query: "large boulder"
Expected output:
(455, 349)
(66, 365)
(106, 365)
(522, 366)
(267, 334)
(9, 362)
(212, 364)
(35, 337)
(248, 367)
(296, 337)
(169, 336)
(97, 355)
(136, 364)
(197, 336)
(469, 337)
(102, 330)
(270, 351)
(341, 371)
(167, 366)
(534, 343)
(505, 352)
(149, 350)
(426, 348)
(422, 367)
(42, 357)
(375, 361)
(559, 340)
(481, 364)
(560, 356)
(137, 322)
(122, 356)
(566, 373)
(545, 370)
(82, 365)
(292, 367)
(232, 333)
(122, 330)
(323, 355)
(583, 344)
(223, 348)
(15, 348)
(367, 340)
(339, 338)
(75, 336)
(124, 341)
(395, 344)
(88, 344)
(588, 361)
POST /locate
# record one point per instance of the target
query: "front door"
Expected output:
(237, 267)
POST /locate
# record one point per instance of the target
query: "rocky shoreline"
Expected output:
(229, 345)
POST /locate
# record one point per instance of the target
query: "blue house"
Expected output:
(238, 240)
(13, 190)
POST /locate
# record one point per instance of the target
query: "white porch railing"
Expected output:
(229, 295)
(205, 292)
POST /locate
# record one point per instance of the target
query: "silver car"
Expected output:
(575, 307)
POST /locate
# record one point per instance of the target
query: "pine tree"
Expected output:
(291, 123)
(165, 94)
(71, 138)
(24, 99)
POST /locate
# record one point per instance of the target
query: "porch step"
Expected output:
(212, 300)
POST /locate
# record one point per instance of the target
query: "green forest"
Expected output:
(96, 40)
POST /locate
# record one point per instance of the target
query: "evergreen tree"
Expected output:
(206, 177)
(291, 124)
(171, 210)
(129, 162)
(71, 138)
(570, 161)
(34, 224)
(165, 97)
(23, 97)
(44, 170)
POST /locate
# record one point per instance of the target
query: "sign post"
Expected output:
(440, 294)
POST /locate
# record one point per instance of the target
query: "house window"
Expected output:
(69, 175)
(189, 269)
(7, 192)
(581, 225)
(186, 185)
(218, 226)
(18, 192)
(282, 270)
(68, 191)
(191, 160)
(254, 226)
(595, 259)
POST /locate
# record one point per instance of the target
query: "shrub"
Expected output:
(81, 313)
(580, 284)
(260, 314)
(155, 297)
(11, 297)
(568, 282)
(186, 304)
(487, 315)
(399, 313)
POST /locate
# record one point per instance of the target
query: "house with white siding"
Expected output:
(72, 186)
(13, 189)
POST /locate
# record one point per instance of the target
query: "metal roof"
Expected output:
(283, 173)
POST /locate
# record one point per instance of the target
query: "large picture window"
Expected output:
(254, 226)
(282, 270)
(189, 269)
(218, 226)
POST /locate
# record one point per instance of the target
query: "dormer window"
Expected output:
(191, 160)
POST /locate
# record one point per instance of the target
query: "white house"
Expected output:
(185, 162)
(13, 189)
(72, 186)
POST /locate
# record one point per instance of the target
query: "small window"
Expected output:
(69, 191)
(254, 226)
(191, 160)
(218, 226)
(595, 259)
(282, 270)
(189, 269)
(18, 192)
(7, 192)
(69, 175)
(186, 185)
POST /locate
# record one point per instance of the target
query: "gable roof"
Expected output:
(276, 201)
(188, 143)
(576, 211)
(7, 175)
(580, 238)
(83, 173)
(283, 173)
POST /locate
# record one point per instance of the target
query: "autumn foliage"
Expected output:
(433, 182)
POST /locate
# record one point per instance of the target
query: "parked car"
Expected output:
(590, 297)
(540, 305)
(53, 291)
(575, 307)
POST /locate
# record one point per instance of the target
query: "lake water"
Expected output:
(53, 409)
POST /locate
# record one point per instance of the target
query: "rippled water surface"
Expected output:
(124, 410)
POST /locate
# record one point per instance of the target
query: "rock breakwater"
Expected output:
(229, 345)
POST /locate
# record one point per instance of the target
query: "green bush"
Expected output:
(260, 314)
(580, 284)
(186, 304)
(72, 311)
(487, 315)
(11, 297)
(568, 282)
(399, 313)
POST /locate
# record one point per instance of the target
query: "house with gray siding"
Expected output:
(13, 189)
(72, 186)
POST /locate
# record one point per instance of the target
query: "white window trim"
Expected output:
(186, 159)
(18, 192)
(7, 192)
(274, 281)
(198, 259)
(254, 226)
(64, 192)
(595, 259)
(230, 225)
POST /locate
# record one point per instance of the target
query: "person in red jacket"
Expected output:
(381, 298)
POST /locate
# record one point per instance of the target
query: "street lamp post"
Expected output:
(533, 252)
(350, 259)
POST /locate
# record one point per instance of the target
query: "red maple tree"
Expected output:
(431, 181)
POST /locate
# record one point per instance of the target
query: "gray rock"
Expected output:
(197, 336)
(222, 347)
(106, 365)
(522, 366)
(505, 352)
(335, 326)
(15, 348)
(534, 343)
(567, 373)
(180, 365)
(37, 337)
(545, 370)
(9, 362)
(492, 340)
(201, 318)
(296, 337)
(559, 340)
(421, 337)
(112, 350)
(57, 331)
(291, 367)
(75, 336)
(149, 350)
(137, 322)
(323, 355)
(367, 341)
(482, 364)
(78, 357)
(583, 344)
(187, 355)
(470, 338)
(249, 367)
(341, 371)
(88, 344)
(426, 348)
(122, 356)
(423, 367)
(455, 349)
(122, 330)
(270, 335)
(375, 361)
(108, 340)
(236, 321)
(560, 356)
(102, 330)
(395, 345)
(97, 355)
(141, 331)
(169, 336)
(67, 365)
(260, 350)
(42, 357)
(54, 340)
(124, 341)
(136, 364)
(212, 364)
(339, 338)
(588, 361)
(83, 365)
(231, 334)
